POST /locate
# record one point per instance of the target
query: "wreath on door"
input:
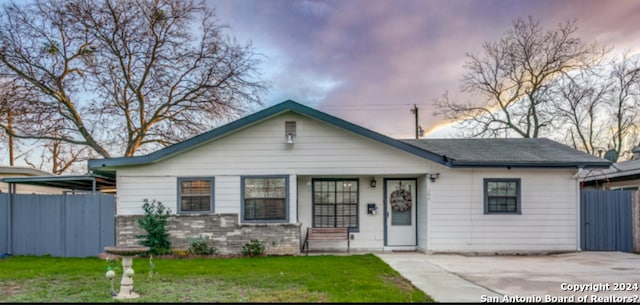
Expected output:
(400, 200)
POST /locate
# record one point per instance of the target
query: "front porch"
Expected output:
(383, 213)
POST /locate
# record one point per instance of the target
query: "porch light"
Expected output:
(290, 138)
(373, 181)
(433, 176)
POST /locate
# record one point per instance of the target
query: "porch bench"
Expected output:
(326, 234)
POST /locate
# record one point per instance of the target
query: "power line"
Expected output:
(389, 105)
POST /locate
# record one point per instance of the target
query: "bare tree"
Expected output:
(7, 94)
(580, 102)
(124, 77)
(56, 157)
(18, 107)
(15, 101)
(513, 78)
(624, 102)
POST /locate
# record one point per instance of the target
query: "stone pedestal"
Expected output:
(126, 284)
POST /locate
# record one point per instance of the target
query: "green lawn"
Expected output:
(356, 278)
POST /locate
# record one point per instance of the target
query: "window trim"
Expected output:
(286, 200)
(518, 182)
(211, 194)
(313, 211)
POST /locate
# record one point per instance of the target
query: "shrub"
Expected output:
(253, 248)
(198, 246)
(154, 223)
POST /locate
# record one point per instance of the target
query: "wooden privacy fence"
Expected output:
(57, 225)
(610, 220)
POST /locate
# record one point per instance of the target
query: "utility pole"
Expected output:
(414, 110)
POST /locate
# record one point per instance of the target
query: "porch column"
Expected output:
(293, 199)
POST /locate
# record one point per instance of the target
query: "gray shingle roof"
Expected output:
(537, 152)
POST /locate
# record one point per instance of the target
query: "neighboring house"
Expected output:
(620, 176)
(271, 175)
(19, 171)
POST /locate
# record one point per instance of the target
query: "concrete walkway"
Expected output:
(440, 284)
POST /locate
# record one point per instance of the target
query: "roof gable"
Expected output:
(286, 106)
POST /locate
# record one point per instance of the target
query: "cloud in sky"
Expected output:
(369, 61)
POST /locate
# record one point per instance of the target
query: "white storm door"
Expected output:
(401, 212)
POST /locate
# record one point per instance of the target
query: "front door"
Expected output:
(400, 207)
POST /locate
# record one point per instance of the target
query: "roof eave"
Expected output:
(21, 170)
(593, 180)
(609, 175)
(463, 163)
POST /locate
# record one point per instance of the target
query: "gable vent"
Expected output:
(290, 128)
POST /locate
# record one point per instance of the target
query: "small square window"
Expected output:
(195, 195)
(502, 196)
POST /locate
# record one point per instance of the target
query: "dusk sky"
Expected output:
(369, 61)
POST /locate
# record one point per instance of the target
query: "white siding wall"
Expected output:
(227, 194)
(319, 149)
(133, 189)
(548, 220)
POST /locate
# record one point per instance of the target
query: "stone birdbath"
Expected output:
(126, 284)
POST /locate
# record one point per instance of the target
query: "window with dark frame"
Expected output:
(195, 194)
(265, 199)
(502, 196)
(335, 203)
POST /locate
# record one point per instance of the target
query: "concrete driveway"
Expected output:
(569, 277)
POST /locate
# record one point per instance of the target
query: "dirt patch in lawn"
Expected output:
(9, 289)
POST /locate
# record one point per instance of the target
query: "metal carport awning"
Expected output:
(81, 182)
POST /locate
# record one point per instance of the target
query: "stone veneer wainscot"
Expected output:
(219, 230)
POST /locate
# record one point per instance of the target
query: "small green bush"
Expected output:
(154, 223)
(198, 246)
(253, 248)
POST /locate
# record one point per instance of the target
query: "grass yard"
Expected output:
(356, 278)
